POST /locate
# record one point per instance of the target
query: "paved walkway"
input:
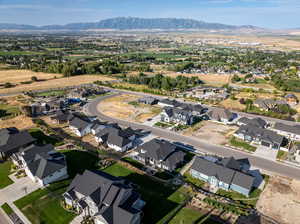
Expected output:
(15, 191)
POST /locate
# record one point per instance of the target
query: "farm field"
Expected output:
(55, 83)
(17, 76)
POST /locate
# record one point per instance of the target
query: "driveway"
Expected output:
(17, 190)
(266, 153)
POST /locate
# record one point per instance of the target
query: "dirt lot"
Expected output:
(212, 132)
(281, 200)
(54, 83)
(118, 107)
(17, 76)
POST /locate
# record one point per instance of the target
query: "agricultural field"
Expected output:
(126, 107)
(55, 83)
(18, 76)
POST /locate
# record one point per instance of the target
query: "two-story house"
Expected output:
(107, 199)
(12, 140)
(176, 115)
(160, 154)
(42, 164)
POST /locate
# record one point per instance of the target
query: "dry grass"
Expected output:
(281, 200)
(21, 122)
(55, 83)
(17, 76)
(233, 104)
(118, 107)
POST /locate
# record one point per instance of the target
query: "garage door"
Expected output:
(265, 144)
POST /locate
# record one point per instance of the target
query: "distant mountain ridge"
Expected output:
(130, 23)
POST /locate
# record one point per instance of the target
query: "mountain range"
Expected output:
(130, 23)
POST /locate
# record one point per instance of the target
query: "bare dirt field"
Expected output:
(55, 83)
(212, 132)
(120, 107)
(281, 200)
(17, 76)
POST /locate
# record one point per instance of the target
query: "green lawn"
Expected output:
(7, 209)
(153, 192)
(43, 205)
(194, 181)
(52, 93)
(239, 198)
(4, 172)
(186, 216)
(241, 144)
(282, 155)
(133, 162)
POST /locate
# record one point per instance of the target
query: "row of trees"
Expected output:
(160, 81)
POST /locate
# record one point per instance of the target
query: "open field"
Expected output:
(17, 76)
(124, 107)
(21, 122)
(281, 200)
(212, 132)
(56, 83)
(232, 105)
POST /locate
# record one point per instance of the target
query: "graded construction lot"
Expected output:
(55, 83)
(281, 200)
(215, 133)
(125, 107)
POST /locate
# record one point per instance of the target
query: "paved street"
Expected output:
(201, 145)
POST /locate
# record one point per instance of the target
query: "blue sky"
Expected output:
(264, 13)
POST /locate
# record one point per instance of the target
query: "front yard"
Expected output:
(241, 144)
(4, 172)
(43, 205)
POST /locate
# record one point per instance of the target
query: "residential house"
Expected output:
(105, 198)
(61, 117)
(264, 137)
(176, 115)
(224, 175)
(148, 100)
(117, 139)
(12, 140)
(296, 152)
(291, 99)
(169, 103)
(85, 91)
(160, 154)
(290, 131)
(221, 115)
(208, 93)
(268, 104)
(80, 126)
(195, 109)
(97, 126)
(258, 122)
(42, 163)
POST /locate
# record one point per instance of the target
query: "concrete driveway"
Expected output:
(17, 190)
(266, 153)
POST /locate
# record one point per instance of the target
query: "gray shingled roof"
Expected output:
(287, 128)
(220, 113)
(222, 173)
(173, 160)
(79, 123)
(116, 136)
(258, 122)
(112, 195)
(11, 138)
(260, 133)
(156, 149)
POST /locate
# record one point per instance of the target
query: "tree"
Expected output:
(34, 79)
